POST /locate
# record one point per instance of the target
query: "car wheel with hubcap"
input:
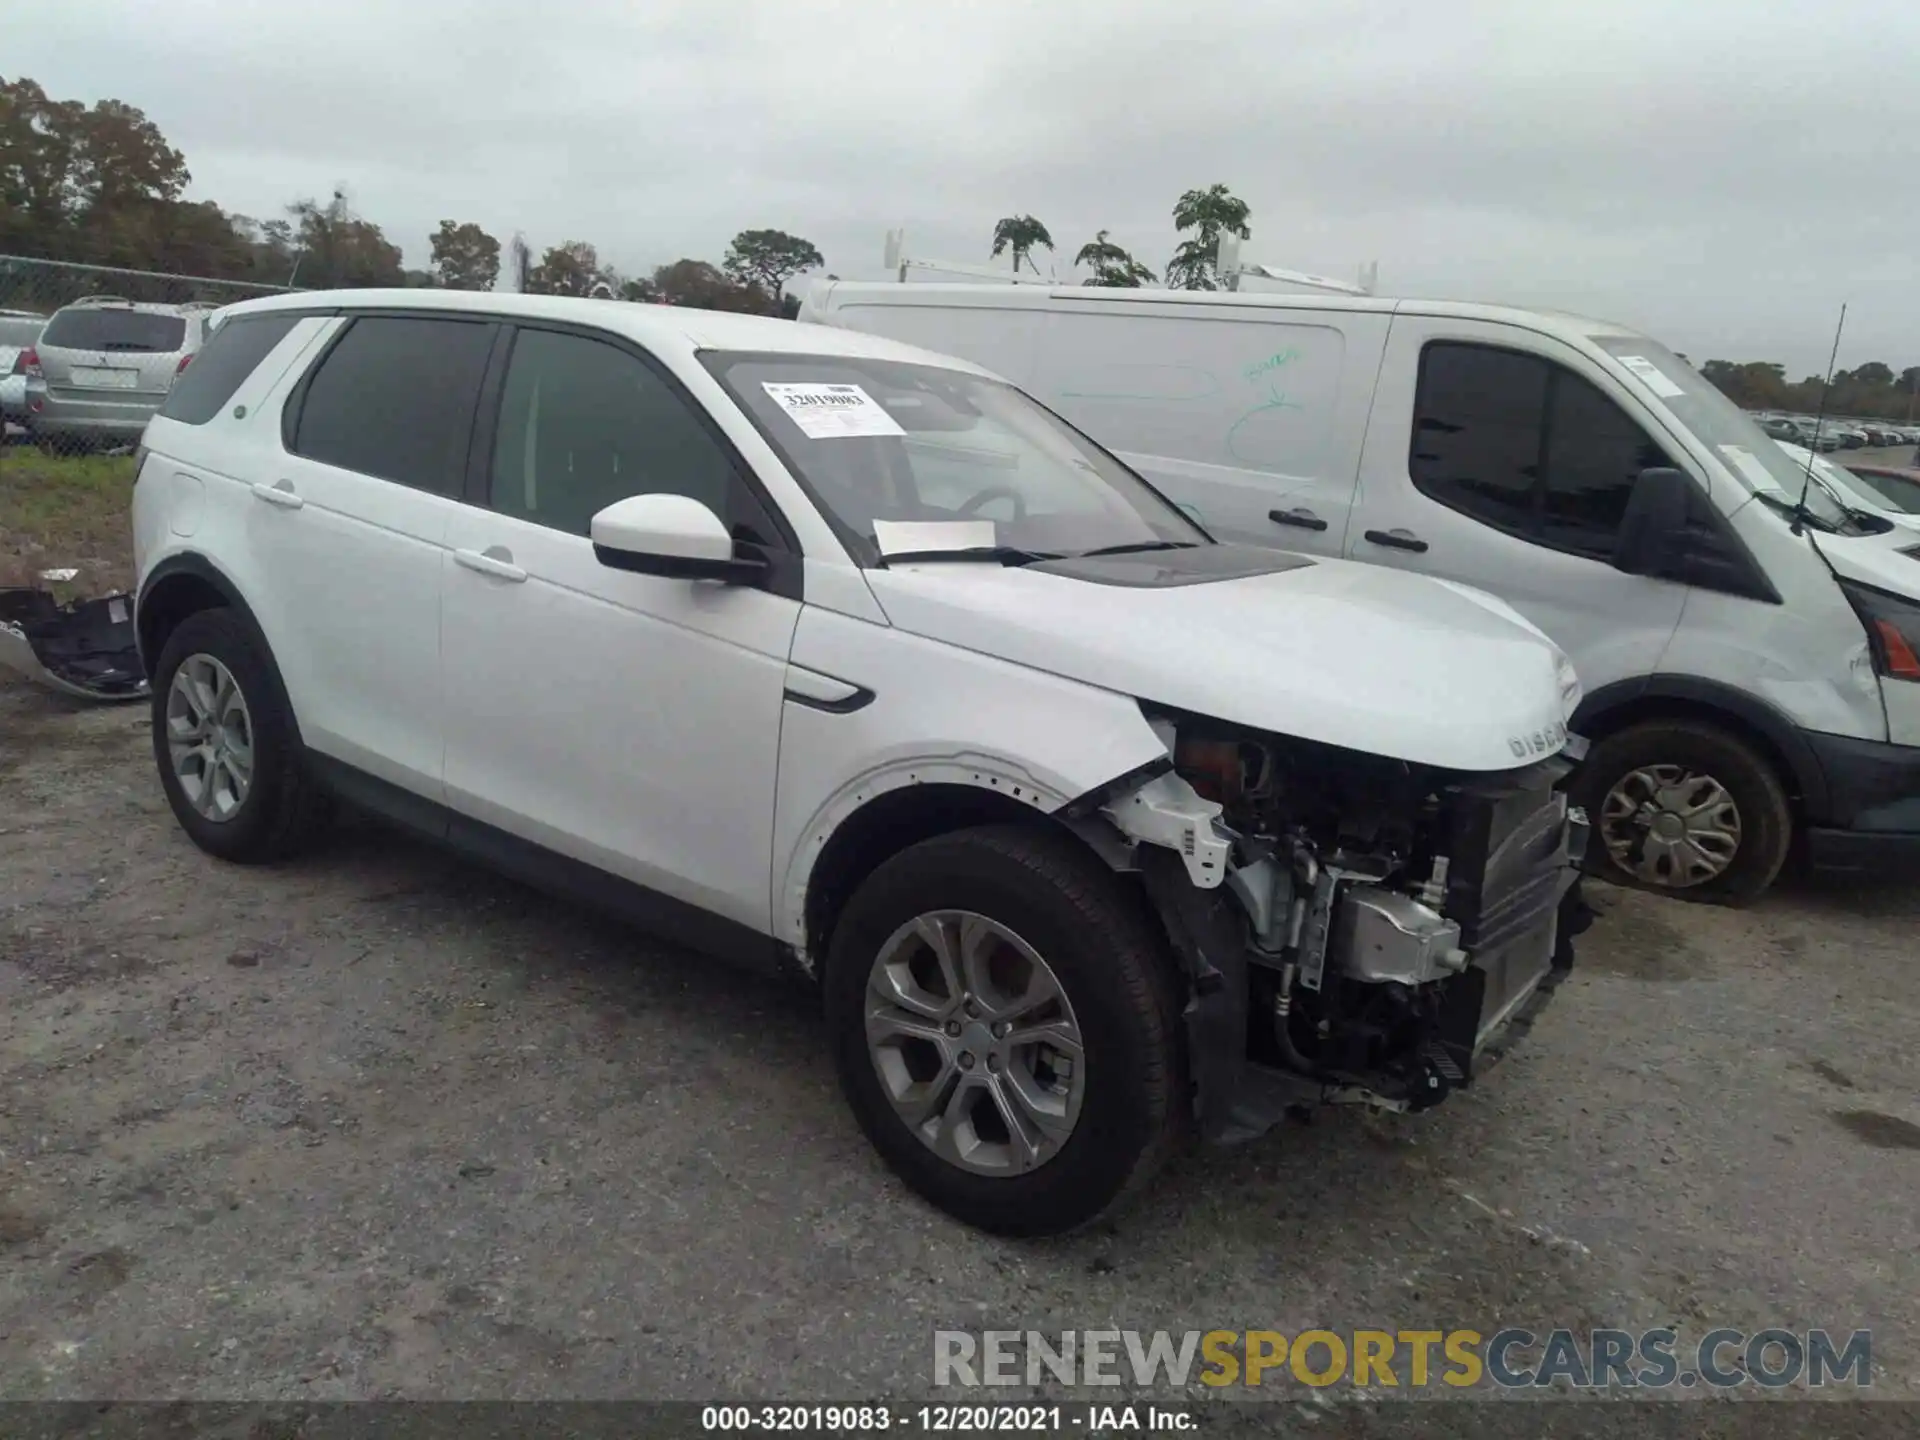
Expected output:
(1686, 808)
(225, 742)
(1005, 1026)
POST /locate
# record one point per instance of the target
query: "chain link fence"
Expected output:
(88, 352)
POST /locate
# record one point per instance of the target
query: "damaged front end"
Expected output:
(1355, 929)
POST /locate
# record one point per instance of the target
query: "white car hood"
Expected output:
(1360, 656)
(1886, 562)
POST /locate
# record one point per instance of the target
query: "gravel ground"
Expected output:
(378, 1124)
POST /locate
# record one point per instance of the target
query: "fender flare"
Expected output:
(1760, 716)
(981, 771)
(186, 562)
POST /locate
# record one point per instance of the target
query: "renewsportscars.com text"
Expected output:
(1509, 1358)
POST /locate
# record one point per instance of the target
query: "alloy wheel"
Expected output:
(975, 1042)
(209, 737)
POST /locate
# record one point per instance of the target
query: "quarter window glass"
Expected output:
(584, 423)
(395, 399)
(223, 365)
(1526, 446)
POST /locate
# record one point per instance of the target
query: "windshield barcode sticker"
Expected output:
(832, 412)
(1656, 379)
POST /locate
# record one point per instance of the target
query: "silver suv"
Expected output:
(104, 365)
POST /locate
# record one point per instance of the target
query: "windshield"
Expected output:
(1760, 463)
(930, 459)
(126, 331)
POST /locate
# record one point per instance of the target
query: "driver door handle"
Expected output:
(1398, 540)
(495, 560)
(279, 493)
(1299, 517)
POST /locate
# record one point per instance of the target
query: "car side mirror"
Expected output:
(1654, 526)
(674, 536)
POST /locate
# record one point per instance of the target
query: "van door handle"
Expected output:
(1299, 517)
(495, 560)
(1398, 540)
(279, 493)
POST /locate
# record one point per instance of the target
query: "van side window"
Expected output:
(584, 423)
(395, 399)
(1525, 445)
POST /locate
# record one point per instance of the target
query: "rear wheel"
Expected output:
(1005, 1027)
(1687, 808)
(224, 739)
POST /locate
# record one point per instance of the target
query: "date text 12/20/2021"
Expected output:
(948, 1419)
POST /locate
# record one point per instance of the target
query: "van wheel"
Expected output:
(1686, 808)
(1005, 1025)
(225, 742)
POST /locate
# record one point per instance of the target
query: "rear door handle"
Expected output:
(1300, 517)
(1398, 540)
(495, 560)
(279, 493)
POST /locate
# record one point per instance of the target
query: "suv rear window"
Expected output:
(220, 368)
(126, 331)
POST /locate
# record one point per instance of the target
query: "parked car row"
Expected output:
(97, 370)
(1826, 434)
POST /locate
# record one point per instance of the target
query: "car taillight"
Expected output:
(1893, 629)
(28, 362)
(185, 360)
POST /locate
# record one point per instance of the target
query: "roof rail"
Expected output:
(102, 300)
(1232, 271)
(202, 304)
(896, 261)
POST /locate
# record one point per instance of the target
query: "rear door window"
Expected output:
(129, 332)
(395, 398)
(221, 367)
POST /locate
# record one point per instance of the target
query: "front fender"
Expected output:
(939, 716)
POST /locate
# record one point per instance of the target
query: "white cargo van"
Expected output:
(1749, 662)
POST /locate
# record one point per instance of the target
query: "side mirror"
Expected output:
(668, 535)
(1654, 526)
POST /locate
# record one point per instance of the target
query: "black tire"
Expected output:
(282, 808)
(1116, 974)
(1750, 780)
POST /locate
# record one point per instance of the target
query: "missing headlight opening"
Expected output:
(1355, 929)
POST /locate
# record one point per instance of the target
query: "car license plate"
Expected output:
(96, 379)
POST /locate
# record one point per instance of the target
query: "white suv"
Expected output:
(814, 650)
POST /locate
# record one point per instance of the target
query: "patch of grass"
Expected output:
(66, 511)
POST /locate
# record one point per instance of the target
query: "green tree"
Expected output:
(767, 259)
(570, 268)
(1209, 214)
(79, 182)
(334, 247)
(465, 257)
(1874, 374)
(700, 286)
(1112, 266)
(1020, 233)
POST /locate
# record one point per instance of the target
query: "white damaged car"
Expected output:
(813, 650)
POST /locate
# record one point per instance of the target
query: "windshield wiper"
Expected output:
(1139, 546)
(1002, 554)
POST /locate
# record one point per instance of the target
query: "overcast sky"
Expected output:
(1722, 173)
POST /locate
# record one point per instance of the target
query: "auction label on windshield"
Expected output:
(832, 412)
(1656, 378)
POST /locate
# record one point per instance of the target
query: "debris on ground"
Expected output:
(85, 648)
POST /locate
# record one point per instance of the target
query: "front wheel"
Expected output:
(1005, 1027)
(1687, 808)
